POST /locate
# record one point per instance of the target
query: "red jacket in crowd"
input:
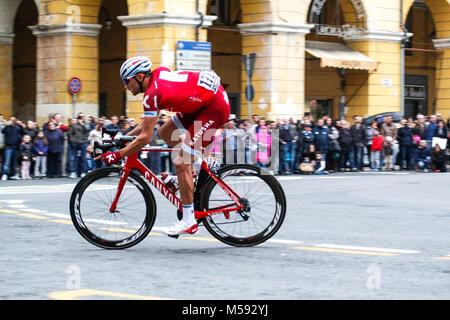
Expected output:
(377, 143)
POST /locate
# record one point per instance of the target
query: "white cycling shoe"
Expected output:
(180, 227)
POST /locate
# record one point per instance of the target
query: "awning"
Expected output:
(338, 55)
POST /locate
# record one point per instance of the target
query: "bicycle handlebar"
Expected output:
(114, 142)
(111, 132)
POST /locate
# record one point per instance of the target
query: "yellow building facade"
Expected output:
(336, 57)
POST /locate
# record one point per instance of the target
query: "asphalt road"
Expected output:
(345, 236)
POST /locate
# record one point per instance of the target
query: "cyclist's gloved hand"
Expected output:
(111, 157)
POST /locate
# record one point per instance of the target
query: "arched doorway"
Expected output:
(24, 62)
(226, 42)
(328, 86)
(420, 61)
(323, 85)
(112, 53)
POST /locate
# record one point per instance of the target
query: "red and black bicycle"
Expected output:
(114, 207)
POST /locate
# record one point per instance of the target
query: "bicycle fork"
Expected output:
(123, 180)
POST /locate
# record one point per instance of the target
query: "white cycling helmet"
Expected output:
(133, 66)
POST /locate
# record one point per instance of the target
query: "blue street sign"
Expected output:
(193, 45)
(192, 55)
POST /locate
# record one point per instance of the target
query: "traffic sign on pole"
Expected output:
(74, 85)
(249, 63)
(249, 92)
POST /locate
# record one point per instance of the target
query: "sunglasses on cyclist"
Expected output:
(127, 80)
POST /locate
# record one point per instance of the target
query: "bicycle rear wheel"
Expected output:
(90, 206)
(261, 195)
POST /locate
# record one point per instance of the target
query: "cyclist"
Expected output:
(201, 105)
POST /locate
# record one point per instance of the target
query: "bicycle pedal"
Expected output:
(174, 236)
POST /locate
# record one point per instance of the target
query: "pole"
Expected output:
(249, 103)
(74, 103)
(402, 60)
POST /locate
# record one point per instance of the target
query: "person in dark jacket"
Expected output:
(441, 130)
(332, 157)
(321, 138)
(288, 139)
(407, 148)
(13, 133)
(346, 142)
(438, 159)
(55, 139)
(358, 130)
(423, 156)
(298, 146)
(26, 155)
(78, 136)
(40, 146)
(420, 128)
(431, 127)
(114, 125)
(307, 137)
(31, 129)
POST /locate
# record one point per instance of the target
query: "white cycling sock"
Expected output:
(188, 214)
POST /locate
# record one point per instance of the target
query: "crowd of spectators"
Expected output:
(283, 146)
(326, 145)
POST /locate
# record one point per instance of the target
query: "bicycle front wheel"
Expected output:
(90, 205)
(261, 195)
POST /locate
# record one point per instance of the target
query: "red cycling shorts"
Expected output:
(201, 125)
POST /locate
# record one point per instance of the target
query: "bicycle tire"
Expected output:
(135, 186)
(214, 223)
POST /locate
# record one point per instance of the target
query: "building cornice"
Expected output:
(6, 38)
(441, 44)
(275, 27)
(379, 36)
(167, 19)
(82, 29)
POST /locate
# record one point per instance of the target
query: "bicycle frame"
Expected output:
(133, 162)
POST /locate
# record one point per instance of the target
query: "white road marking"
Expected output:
(115, 223)
(12, 201)
(385, 172)
(33, 210)
(158, 229)
(57, 215)
(36, 189)
(284, 241)
(374, 249)
(17, 206)
(62, 188)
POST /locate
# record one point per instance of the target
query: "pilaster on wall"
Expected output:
(279, 72)
(140, 7)
(65, 51)
(74, 11)
(442, 105)
(6, 76)
(156, 36)
(372, 92)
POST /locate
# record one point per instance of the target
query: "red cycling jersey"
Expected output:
(179, 91)
(200, 102)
